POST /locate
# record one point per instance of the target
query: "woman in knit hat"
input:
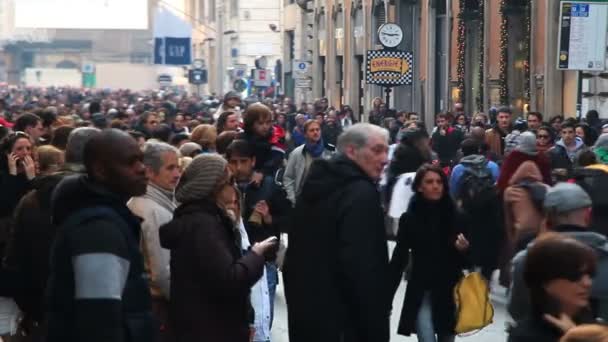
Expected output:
(210, 276)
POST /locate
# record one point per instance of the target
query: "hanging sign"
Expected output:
(389, 67)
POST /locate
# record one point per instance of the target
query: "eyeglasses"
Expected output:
(576, 276)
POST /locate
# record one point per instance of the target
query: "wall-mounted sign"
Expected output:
(582, 35)
(389, 67)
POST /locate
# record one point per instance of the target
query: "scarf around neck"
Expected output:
(164, 198)
(315, 150)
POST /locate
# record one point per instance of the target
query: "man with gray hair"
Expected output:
(74, 151)
(156, 208)
(336, 267)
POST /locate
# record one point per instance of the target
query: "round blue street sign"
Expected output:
(302, 66)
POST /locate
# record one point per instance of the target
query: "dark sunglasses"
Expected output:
(578, 275)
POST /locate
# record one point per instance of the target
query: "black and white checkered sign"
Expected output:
(389, 67)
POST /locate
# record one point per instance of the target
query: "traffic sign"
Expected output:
(301, 69)
(165, 79)
(303, 83)
(197, 76)
(240, 85)
(261, 78)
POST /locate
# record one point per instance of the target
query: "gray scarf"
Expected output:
(164, 198)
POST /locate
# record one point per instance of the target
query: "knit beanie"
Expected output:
(200, 178)
(527, 143)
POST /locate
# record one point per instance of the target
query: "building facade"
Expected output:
(229, 35)
(482, 53)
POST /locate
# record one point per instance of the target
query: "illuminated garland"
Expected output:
(461, 49)
(504, 42)
(528, 23)
(482, 42)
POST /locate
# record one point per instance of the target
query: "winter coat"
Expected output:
(295, 172)
(210, 280)
(336, 266)
(429, 231)
(594, 179)
(331, 133)
(519, 299)
(266, 160)
(447, 145)
(522, 214)
(155, 208)
(97, 288)
(562, 158)
(13, 189)
(514, 160)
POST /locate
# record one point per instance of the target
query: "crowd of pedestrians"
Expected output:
(161, 216)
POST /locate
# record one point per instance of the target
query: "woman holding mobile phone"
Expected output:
(17, 170)
(211, 277)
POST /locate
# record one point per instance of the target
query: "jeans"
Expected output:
(425, 331)
(272, 275)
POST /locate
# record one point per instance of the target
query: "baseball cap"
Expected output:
(566, 197)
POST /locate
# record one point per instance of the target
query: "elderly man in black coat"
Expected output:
(336, 268)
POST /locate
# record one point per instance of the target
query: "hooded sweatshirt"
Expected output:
(580, 145)
(521, 213)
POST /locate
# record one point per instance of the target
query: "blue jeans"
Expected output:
(272, 275)
(425, 331)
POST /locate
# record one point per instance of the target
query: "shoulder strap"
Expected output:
(89, 213)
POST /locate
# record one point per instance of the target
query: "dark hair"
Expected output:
(555, 256)
(590, 134)
(94, 107)
(162, 132)
(586, 158)
(568, 124)
(224, 140)
(60, 136)
(3, 132)
(548, 130)
(538, 115)
(178, 138)
(426, 168)
(592, 115)
(504, 109)
(441, 116)
(240, 148)
(255, 113)
(26, 120)
(221, 121)
(409, 115)
(555, 118)
(136, 135)
(48, 118)
(470, 147)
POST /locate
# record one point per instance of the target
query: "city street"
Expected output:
(493, 333)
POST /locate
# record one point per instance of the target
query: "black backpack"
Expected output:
(476, 186)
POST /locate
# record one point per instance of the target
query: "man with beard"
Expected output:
(97, 290)
(495, 137)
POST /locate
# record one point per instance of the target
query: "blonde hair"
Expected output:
(204, 135)
(587, 333)
(50, 159)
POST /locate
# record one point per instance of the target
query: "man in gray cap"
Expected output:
(567, 207)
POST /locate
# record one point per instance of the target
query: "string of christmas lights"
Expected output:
(504, 42)
(461, 50)
(528, 23)
(482, 42)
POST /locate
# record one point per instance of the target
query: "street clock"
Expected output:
(390, 35)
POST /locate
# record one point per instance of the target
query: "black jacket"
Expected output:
(429, 231)
(97, 289)
(210, 280)
(331, 133)
(447, 145)
(279, 206)
(13, 188)
(336, 266)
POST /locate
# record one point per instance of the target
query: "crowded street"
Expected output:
(303, 171)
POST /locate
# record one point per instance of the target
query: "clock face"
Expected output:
(390, 35)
